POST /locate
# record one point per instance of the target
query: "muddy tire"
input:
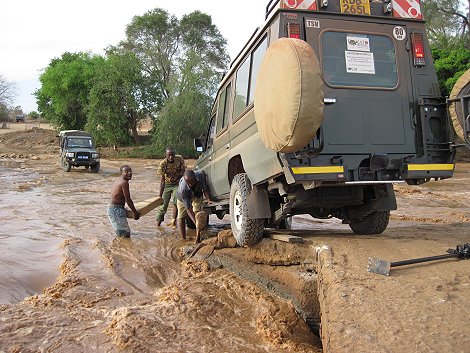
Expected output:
(95, 168)
(375, 223)
(461, 88)
(246, 231)
(67, 166)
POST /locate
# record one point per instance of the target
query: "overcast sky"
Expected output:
(33, 32)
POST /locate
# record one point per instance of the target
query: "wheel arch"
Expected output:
(235, 166)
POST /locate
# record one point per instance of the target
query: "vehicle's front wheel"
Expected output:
(375, 223)
(246, 231)
(67, 166)
(95, 168)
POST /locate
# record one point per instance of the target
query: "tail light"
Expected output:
(417, 43)
(293, 30)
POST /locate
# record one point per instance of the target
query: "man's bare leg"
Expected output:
(175, 214)
(182, 227)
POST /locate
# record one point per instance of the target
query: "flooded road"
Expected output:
(68, 285)
(107, 294)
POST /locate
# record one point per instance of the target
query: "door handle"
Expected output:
(228, 146)
(329, 100)
(210, 158)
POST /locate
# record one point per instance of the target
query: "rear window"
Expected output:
(358, 60)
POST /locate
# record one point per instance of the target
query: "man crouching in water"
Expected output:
(191, 188)
(120, 195)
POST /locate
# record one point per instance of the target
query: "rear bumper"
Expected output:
(424, 171)
(341, 174)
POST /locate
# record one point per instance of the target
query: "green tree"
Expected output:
(448, 22)
(34, 115)
(450, 64)
(121, 96)
(180, 121)
(184, 58)
(66, 82)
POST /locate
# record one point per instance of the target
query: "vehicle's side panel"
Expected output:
(257, 160)
(219, 163)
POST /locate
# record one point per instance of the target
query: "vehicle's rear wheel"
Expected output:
(246, 231)
(95, 168)
(67, 166)
(375, 223)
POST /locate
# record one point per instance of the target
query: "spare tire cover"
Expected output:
(461, 88)
(288, 100)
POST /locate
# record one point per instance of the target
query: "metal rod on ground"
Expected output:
(383, 267)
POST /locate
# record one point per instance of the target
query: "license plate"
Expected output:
(355, 7)
(82, 157)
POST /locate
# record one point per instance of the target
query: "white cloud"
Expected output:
(32, 32)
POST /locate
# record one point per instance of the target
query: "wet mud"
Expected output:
(68, 285)
(72, 286)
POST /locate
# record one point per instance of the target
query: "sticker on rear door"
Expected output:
(312, 23)
(358, 43)
(358, 62)
(399, 33)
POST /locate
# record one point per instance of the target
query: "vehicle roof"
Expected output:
(77, 133)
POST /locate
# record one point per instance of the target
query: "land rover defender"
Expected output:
(77, 149)
(353, 81)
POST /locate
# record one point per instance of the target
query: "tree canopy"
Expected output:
(448, 22)
(120, 97)
(167, 69)
(64, 94)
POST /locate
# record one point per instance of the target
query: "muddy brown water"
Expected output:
(68, 285)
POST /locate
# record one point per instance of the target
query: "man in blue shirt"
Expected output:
(191, 189)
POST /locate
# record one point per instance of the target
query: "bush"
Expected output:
(450, 64)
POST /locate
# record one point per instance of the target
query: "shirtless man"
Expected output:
(120, 195)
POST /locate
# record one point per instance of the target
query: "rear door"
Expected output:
(368, 103)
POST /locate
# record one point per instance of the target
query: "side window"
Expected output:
(210, 133)
(223, 108)
(241, 88)
(257, 58)
(246, 79)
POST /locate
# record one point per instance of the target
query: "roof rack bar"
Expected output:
(271, 3)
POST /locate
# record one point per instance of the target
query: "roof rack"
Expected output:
(270, 6)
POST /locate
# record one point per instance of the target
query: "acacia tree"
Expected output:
(66, 82)
(448, 22)
(184, 59)
(121, 96)
(7, 91)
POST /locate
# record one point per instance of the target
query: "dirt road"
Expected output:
(141, 295)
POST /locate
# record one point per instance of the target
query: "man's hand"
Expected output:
(136, 215)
